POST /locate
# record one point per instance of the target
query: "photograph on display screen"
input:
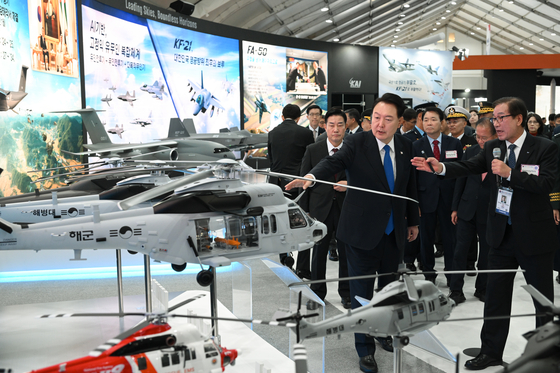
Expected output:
(275, 76)
(53, 37)
(418, 75)
(31, 135)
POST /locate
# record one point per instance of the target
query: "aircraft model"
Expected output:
(172, 149)
(128, 98)
(155, 89)
(112, 88)
(152, 346)
(143, 122)
(233, 138)
(403, 308)
(107, 99)
(10, 99)
(430, 70)
(183, 228)
(261, 107)
(116, 130)
(441, 83)
(204, 100)
(399, 67)
(227, 86)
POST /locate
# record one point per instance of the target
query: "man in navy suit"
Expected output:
(374, 227)
(314, 116)
(523, 236)
(435, 195)
(353, 121)
(470, 205)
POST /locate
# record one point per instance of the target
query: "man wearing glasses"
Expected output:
(520, 234)
(314, 116)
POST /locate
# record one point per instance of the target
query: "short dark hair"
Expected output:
(393, 99)
(291, 111)
(313, 107)
(354, 113)
(473, 111)
(556, 116)
(333, 112)
(409, 114)
(551, 117)
(516, 106)
(436, 110)
(539, 121)
(486, 122)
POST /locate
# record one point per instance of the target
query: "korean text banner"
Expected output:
(423, 76)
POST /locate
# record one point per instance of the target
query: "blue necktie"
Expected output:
(388, 166)
(511, 164)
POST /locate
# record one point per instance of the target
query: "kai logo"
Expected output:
(355, 83)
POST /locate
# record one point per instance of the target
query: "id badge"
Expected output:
(504, 201)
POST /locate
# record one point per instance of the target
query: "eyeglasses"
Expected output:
(499, 119)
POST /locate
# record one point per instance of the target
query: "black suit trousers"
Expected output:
(466, 234)
(384, 258)
(320, 253)
(538, 272)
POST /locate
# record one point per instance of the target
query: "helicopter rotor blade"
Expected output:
(287, 176)
(410, 288)
(155, 192)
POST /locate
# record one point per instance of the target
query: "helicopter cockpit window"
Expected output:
(442, 300)
(226, 232)
(210, 350)
(265, 226)
(273, 223)
(297, 218)
(143, 345)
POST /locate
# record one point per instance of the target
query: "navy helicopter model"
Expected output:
(211, 221)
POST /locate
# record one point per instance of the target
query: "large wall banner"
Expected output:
(275, 76)
(39, 74)
(141, 73)
(422, 76)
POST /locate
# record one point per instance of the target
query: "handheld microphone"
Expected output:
(429, 164)
(497, 153)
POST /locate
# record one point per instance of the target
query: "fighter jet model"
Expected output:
(107, 99)
(207, 221)
(233, 138)
(430, 70)
(155, 89)
(10, 99)
(441, 83)
(112, 88)
(227, 86)
(143, 122)
(204, 99)
(260, 106)
(116, 130)
(399, 67)
(128, 98)
(177, 149)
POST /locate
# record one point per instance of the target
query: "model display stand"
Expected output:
(242, 290)
(315, 346)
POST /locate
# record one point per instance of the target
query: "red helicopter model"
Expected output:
(153, 346)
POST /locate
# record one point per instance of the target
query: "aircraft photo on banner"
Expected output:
(422, 76)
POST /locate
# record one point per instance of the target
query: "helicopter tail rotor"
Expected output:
(297, 317)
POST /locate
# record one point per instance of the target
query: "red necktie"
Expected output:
(436, 149)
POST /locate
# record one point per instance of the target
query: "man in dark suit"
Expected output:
(527, 237)
(408, 128)
(374, 227)
(324, 202)
(292, 78)
(435, 195)
(353, 121)
(470, 206)
(319, 75)
(286, 146)
(314, 116)
(45, 49)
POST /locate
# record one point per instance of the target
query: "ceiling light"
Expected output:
(396, 36)
(402, 15)
(399, 23)
(336, 39)
(530, 43)
(541, 39)
(398, 29)
(406, 5)
(453, 3)
(553, 34)
(472, 33)
(392, 45)
(438, 23)
(510, 1)
(442, 17)
(467, 90)
(447, 11)
(434, 29)
(325, 9)
(329, 21)
(478, 28)
(520, 47)
(501, 9)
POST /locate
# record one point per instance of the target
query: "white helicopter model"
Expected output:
(208, 221)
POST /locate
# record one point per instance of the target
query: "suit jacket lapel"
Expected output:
(374, 159)
(525, 152)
